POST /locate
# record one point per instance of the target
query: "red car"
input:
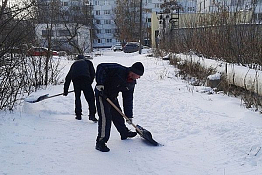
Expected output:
(40, 51)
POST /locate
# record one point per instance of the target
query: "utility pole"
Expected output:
(91, 25)
(89, 22)
(140, 46)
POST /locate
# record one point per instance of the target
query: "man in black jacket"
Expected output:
(82, 74)
(111, 79)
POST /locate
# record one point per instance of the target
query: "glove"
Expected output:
(129, 121)
(100, 89)
(65, 93)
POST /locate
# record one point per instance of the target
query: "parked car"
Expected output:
(40, 51)
(131, 47)
(88, 56)
(117, 46)
(55, 53)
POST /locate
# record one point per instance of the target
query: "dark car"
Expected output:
(131, 47)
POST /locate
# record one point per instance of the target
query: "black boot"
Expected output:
(92, 118)
(101, 146)
(130, 134)
(78, 117)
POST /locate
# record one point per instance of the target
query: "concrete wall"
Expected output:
(189, 20)
(205, 19)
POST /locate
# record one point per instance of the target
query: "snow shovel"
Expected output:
(43, 97)
(139, 129)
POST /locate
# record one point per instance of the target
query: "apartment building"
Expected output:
(209, 6)
(60, 35)
(103, 11)
(103, 18)
(103, 23)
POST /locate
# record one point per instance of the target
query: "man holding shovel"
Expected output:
(82, 73)
(111, 79)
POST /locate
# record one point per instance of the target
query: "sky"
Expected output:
(201, 132)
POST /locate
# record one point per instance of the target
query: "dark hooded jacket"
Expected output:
(114, 78)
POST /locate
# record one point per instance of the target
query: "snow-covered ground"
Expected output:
(200, 133)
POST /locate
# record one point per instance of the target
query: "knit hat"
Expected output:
(137, 68)
(79, 57)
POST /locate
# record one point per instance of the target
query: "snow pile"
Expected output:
(244, 77)
(215, 76)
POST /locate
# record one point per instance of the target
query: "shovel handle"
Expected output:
(59, 94)
(125, 117)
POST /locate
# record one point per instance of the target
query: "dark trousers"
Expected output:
(85, 86)
(107, 114)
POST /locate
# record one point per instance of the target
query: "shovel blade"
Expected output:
(146, 135)
(38, 99)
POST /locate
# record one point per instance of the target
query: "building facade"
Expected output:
(60, 36)
(104, 27)
(103, 11)
(64, 25)
(209, 6)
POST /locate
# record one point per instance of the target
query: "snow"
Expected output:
(200, 133)
(215, 76)
(245, 77)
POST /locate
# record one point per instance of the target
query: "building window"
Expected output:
(107, 12)
(63, 33)
(191, 9)
(148, 19)
(109, 40)
(107, 30)
(157, 5)
(102, 3)
(98, 21)
(108, 21)
(98, 31)
(99, 41)
(46, 33)
(64, 3)
(75, 8)
(97, 12)
(237, 2)
(96, 2)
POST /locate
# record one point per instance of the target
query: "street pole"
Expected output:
(140, 46)
(91, 26)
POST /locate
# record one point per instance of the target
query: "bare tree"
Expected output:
(15, 33)
(19, 74)
(80, 23)
(67, 25)
(127, 20)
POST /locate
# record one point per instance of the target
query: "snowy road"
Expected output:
(201, 134)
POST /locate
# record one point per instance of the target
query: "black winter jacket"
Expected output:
(114, 78)
(80, 69)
